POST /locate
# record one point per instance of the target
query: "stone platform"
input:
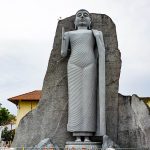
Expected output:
(83, 145)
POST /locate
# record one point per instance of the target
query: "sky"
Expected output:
(27, 29)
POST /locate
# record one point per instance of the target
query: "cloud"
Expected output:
(27, 30)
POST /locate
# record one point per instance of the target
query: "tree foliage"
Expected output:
(7, 135)
(6, 117)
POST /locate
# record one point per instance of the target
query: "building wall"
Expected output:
(148, 102)
(24, 107)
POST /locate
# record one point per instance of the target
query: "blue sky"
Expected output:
(27, 29)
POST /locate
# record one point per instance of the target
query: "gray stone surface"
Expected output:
(49, 120)
(108, 143)
(134, 123)
(83, 145)
(45, 143)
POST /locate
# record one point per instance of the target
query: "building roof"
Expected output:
(30, 96)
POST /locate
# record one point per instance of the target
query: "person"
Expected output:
(83, 77)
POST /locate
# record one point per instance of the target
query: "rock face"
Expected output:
(49, 120)
(134, 123)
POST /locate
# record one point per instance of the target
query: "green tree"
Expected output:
(7, 135)
(6, 117)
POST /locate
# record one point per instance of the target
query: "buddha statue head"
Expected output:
(83, 19)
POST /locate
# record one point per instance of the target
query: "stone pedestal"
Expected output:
(82, 145)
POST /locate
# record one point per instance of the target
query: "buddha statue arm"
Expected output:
(99, 40)
(101, 84)
(65, 43)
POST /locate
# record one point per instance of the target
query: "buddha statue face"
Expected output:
(82, 19)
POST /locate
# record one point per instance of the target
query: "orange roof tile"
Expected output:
(34, 95)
